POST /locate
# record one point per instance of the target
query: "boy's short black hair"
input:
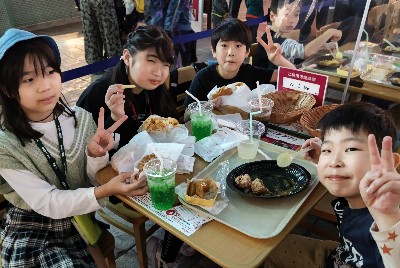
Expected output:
(278, 4)
(359, 116)
(231, 29)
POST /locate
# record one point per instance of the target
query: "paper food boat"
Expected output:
(209, 197)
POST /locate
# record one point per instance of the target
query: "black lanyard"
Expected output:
(148, 106)
(61, 173)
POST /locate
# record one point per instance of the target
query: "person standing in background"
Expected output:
(254, 11)
(77, 5)
(234, 6)
(100, 30)
(174, 17)
(177, 22)
(129, 15)
(219, 11)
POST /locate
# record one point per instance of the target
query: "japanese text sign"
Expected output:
(293, 79)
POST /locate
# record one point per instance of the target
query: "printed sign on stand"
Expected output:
(293, 79)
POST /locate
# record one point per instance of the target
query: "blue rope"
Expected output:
(109, 63)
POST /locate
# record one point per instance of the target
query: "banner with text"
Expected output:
(293, 79)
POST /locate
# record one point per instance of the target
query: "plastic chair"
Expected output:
(138, 230)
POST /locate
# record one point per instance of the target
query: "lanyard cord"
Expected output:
(61, 173)
(134, 110)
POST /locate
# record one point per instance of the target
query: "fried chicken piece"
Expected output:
(243, 181)
(159, 123)
(144, 160)
(258, 187)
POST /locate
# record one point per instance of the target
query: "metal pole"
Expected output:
(355, 51)
(200, 14)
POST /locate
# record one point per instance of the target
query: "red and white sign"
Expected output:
(195, 6)
(293, 79)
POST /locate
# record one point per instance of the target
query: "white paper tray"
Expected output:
(258, 218)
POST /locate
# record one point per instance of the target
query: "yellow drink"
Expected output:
(248, 149)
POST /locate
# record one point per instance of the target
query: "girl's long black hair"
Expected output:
(143, 38)
(12, 116)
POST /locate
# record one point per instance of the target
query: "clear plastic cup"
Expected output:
(266, 108)
(201, 124)
(247, 149)
(161, 184)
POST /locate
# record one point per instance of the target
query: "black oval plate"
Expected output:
(392, 76)
(280, 181)
(384, 45)
(327, 57)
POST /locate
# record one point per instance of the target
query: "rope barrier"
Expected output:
(89, 69)
(109, 63)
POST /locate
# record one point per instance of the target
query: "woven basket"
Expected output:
(289, 105)
(310, 119)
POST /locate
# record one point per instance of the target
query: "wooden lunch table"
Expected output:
(380, 91)
(220, 243)
(359, 86)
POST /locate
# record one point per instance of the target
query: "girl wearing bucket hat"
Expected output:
(49, 154)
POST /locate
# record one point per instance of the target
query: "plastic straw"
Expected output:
(159, 158)
(259, 95)
(251, 124)
(196, 99)
(367, 38)
(366, 33)
(387, 41)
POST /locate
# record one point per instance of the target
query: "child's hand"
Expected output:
(331, 46)
(274, 51)
(115, 100)
(120, 184)
(270, 48)
(380, 187)
(312, 155)
(217, 102)
(276, 56)
(103, 141)
(335, 34)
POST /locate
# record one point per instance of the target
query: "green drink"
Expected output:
(201, 125)
(200, 117)
(161, 183)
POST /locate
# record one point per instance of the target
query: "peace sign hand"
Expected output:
(271, 48)
(274, 50)
(380, 187)
(103, 141)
